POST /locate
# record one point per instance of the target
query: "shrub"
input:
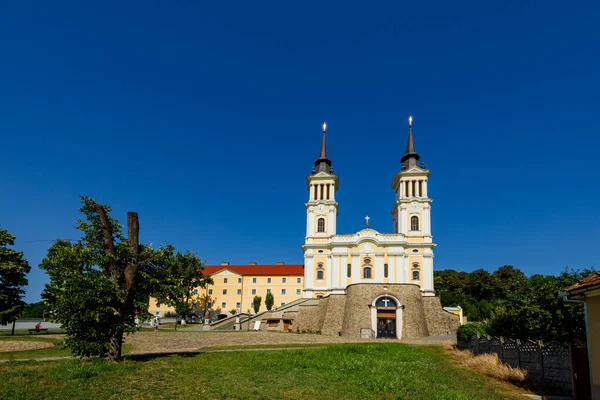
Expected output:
(465, 331)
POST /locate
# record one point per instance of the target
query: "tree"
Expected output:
(205, 300)
(179, 275)
(97, 283)
(256, 303)
(269, 301)
(13, 276)
(34, 310)
(535, 310)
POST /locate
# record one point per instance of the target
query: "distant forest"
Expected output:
(510, 304)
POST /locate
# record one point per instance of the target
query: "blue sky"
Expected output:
(204, 117)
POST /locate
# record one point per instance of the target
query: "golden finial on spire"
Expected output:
(410, 121)
(324, 127)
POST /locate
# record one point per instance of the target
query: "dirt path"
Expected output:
(156, 342)
(20, 345)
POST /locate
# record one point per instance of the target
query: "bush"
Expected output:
(464, 332)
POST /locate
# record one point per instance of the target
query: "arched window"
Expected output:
(385, 270)
(385, 302)
(321, 225)
(349, 270)
(320, 275)
(414, 223)
(415, 275)
(367, 272)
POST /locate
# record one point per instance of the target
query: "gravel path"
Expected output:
(157, 342)
(20, 345)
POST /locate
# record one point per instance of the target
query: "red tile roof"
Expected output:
(269, 269)
(592, 280)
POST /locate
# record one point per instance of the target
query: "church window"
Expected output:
(225, 280)
(253, 291)
(282, 291)
(298, 292)
(385, 302)
(239, 291)
(224, 291)
(349, 270)
(253, 280)
(385, 270)
(414, 223)
(320, 275)
(320, 265)
(414, 192)
(283, 280)
(321, 225)
(268, 280)
(298, 280)
(416, 275)
(322, 188)
(367, 272)
(415, 251)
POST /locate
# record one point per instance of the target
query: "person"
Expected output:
(156, 323)
(37, 326)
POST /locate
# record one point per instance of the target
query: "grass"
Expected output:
(489, 365)
(346, 371)
(55, 351)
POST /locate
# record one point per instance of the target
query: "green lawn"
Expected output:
(348, 371)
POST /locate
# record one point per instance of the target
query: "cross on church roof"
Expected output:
(367, 218)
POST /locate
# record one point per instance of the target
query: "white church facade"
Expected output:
(333, 261)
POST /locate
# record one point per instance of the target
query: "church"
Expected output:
(364, 284)
(368, 283)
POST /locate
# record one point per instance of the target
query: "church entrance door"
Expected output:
(386, 324)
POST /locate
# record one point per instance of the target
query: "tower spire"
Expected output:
(323, 163)
(411, 158)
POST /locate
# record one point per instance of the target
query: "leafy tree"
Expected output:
(508, 279)
(13, 276)
(179, 275)
(535, 310)
(204, 300)
(34, 310)
(269, 301)
(97, 283)
(256, 303)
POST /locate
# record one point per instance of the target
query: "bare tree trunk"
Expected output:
(13, 328)
(124, 280)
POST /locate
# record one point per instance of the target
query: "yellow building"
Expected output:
(588, 290)
(236, 285)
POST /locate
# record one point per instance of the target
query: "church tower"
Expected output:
(321, 214)
(412, 215)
